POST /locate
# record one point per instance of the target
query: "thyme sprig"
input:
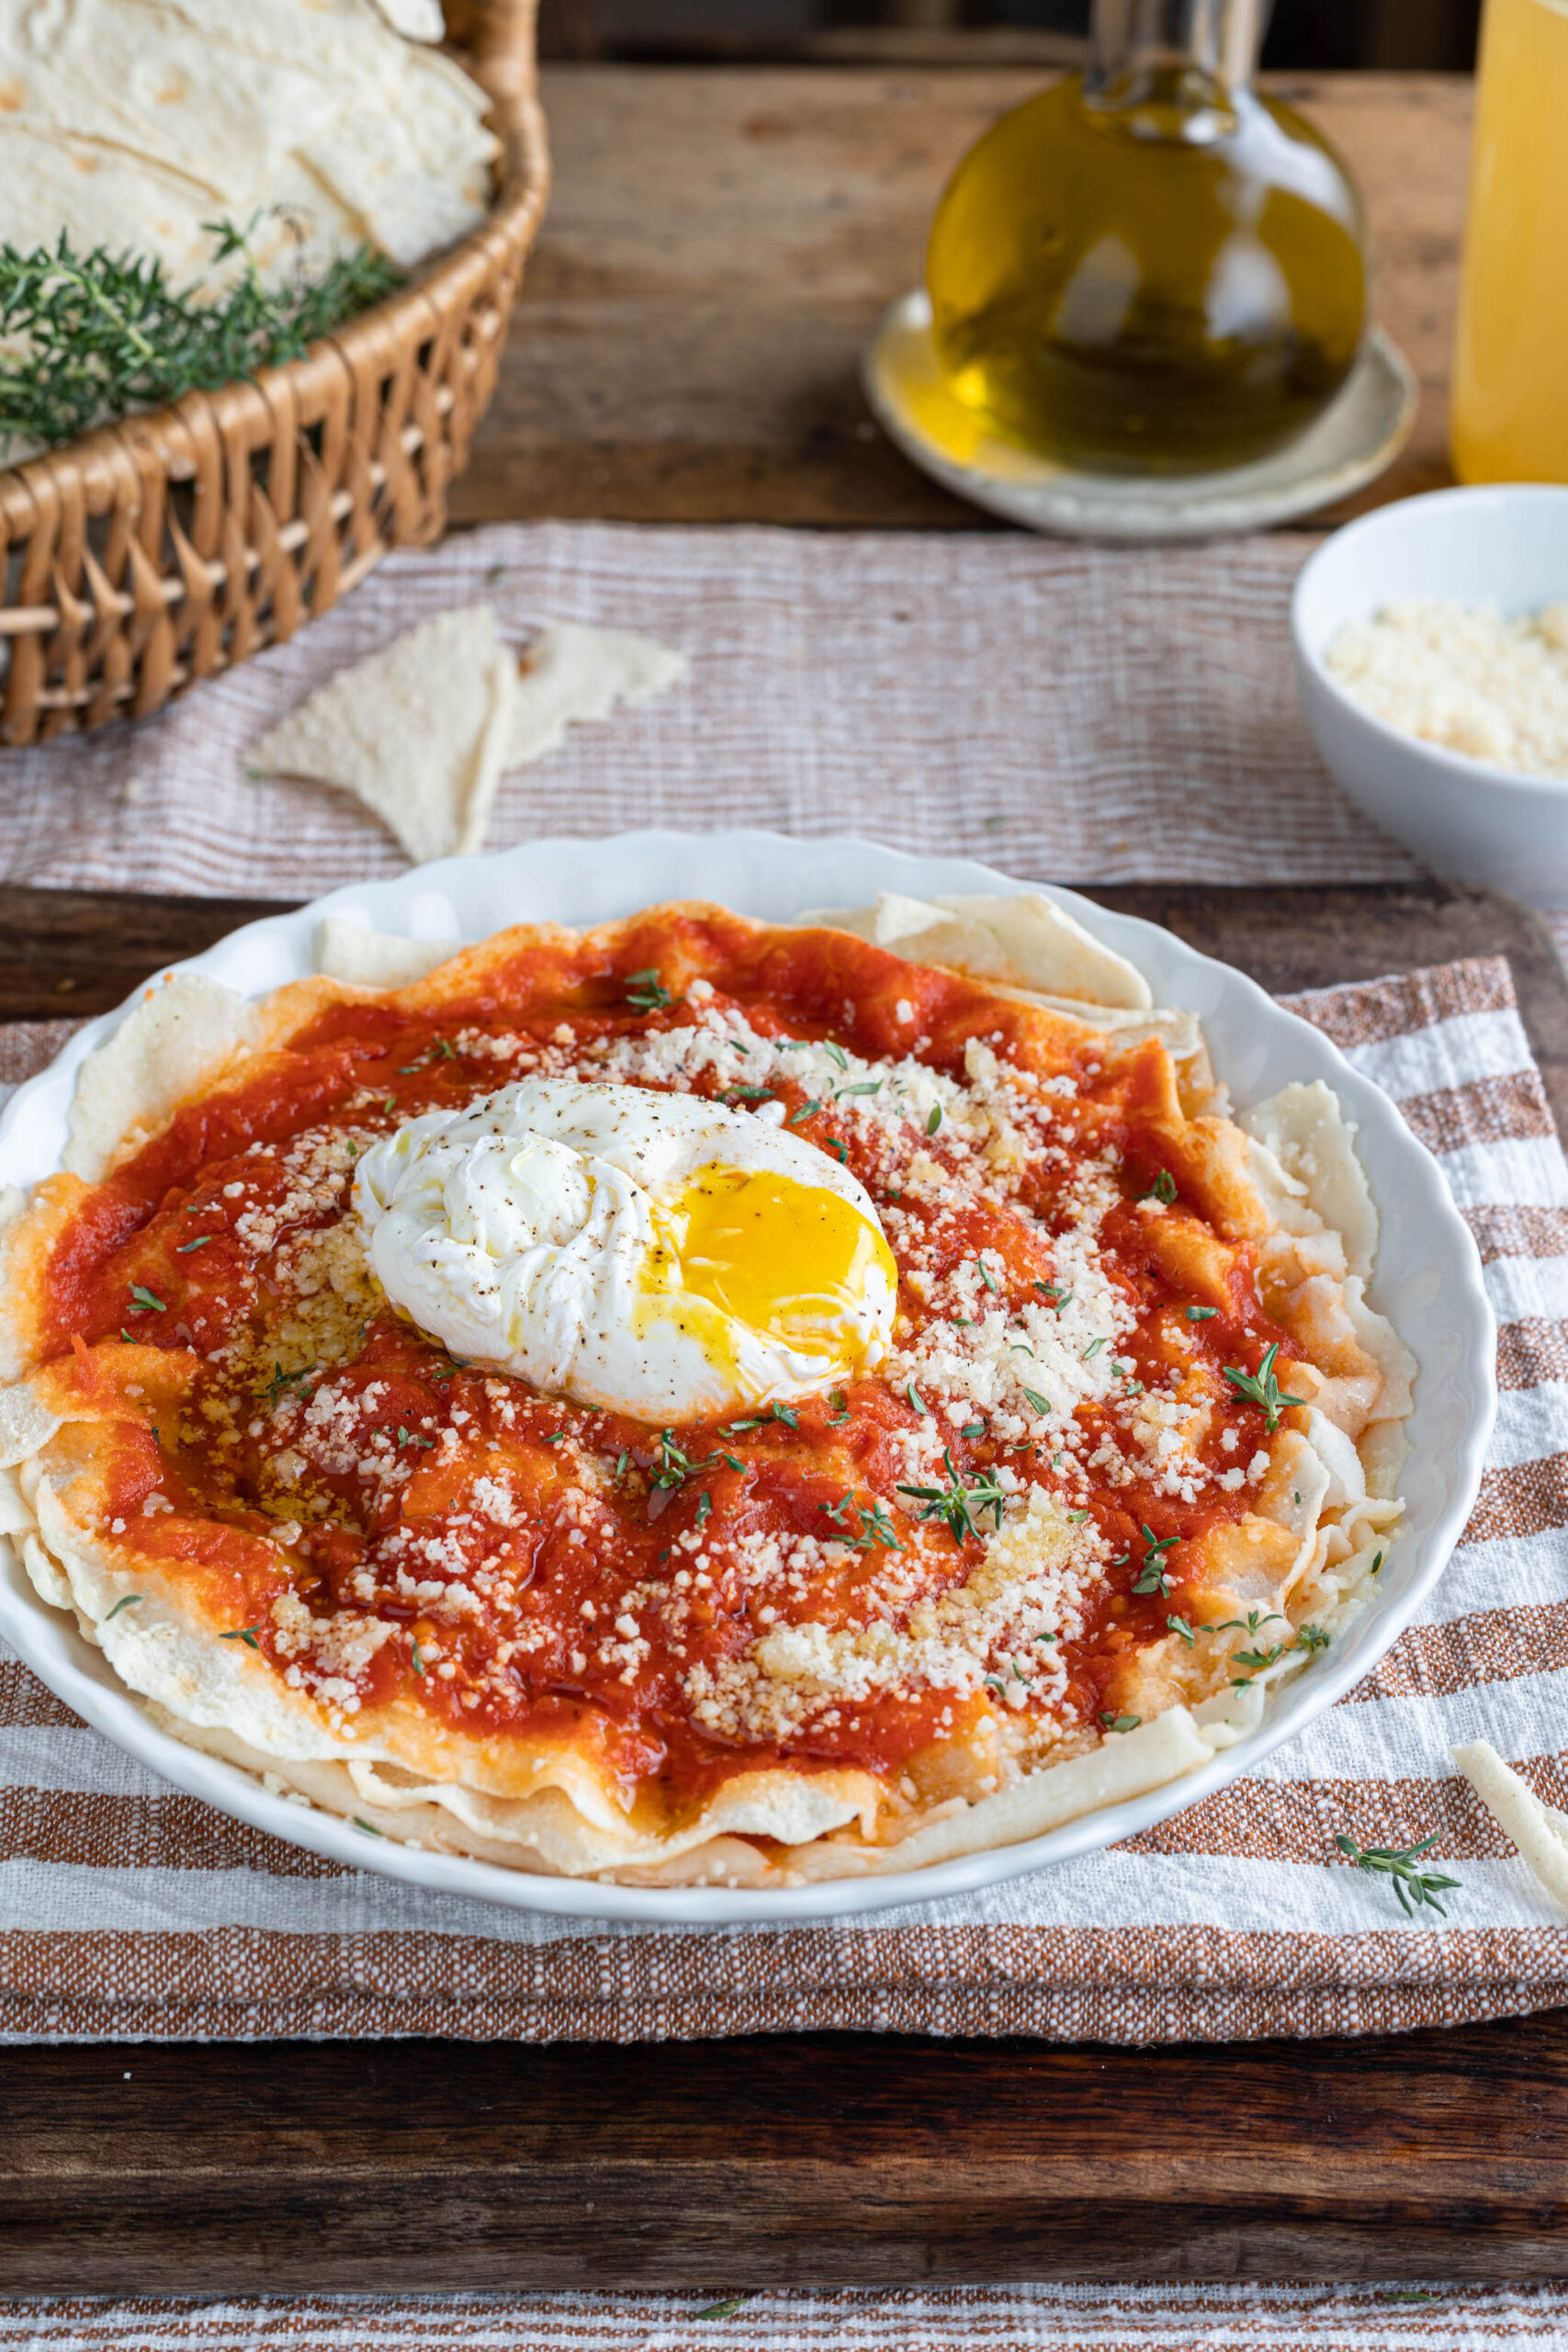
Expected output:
(1154, 1576)
(1261, 1389)
(878, 1532)
(93, 335)
(1413, 1885)
(272, 1389)
(675, 1466)
(955, 1502)
(647, 992)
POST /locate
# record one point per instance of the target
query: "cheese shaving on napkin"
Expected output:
(421, 730)
(1540, 1831)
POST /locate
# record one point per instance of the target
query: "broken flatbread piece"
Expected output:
(1025, 941)
(571, 672)
(421, 730)
(375, 959)
(417, 732)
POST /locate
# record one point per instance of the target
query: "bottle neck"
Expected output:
(1171, 68)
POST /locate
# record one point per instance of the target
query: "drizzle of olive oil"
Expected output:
(1159, 278)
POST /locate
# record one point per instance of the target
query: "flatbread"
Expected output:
(177, 1035)
(415, 19)
(417, 732)
(129, 123)
(1024, 940)
(422, 731)
(105, 195)
(572, 672)
(375, 959)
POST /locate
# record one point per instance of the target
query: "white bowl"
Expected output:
(1506, 546)
(1428, 1280)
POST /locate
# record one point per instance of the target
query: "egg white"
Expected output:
(540, 1232)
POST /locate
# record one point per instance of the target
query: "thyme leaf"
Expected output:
(644, 990)
(98, 334)
(1154, 1576)
(1413, 1885)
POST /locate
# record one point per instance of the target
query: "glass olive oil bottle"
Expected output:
(1150, 269)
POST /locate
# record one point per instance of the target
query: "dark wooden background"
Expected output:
(819, 2159)
(858, 2160)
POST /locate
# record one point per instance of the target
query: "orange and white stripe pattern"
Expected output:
(127, 1909)
(1421, 2315)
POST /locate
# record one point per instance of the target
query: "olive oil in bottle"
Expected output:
(1150, 269)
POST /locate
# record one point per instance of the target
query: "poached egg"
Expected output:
(654, 1254)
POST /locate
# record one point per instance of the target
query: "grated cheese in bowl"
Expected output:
(1465, 678)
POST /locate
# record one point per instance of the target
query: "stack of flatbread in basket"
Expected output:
(317, 126)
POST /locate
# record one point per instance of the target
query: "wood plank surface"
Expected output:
(789, 2161)
(721, 241)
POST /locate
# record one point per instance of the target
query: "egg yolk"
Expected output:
(791, 1262)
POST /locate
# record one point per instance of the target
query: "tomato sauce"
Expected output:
(588, 1517)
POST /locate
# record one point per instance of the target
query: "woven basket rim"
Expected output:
(117, 447)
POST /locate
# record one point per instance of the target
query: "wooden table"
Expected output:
(809, 2159)
(720, 243)
(719, 246)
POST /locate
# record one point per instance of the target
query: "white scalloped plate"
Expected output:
(1428, 1280)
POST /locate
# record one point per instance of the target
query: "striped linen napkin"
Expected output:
(1285, 2315)
(128, 1910)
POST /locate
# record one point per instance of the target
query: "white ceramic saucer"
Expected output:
(1350, 446)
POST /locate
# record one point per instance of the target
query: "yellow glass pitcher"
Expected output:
(1509, 421)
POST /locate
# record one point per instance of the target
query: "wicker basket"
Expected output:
(162, 549)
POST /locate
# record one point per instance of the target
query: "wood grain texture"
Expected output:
(821, 2160)
(721, 241)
